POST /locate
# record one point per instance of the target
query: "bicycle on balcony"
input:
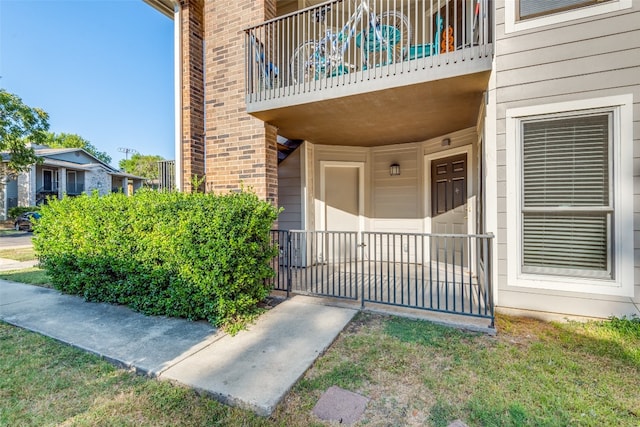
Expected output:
(263, 70)
(382, 40)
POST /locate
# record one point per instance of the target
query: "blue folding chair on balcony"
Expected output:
(428, 49)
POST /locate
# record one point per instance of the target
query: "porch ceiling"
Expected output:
(395, 115)
(163, 6)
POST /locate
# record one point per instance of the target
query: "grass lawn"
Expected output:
(43, 382)
(32, 276)
(415, 373)
(19, 254)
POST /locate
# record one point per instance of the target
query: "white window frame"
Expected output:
(621, 155)
(512, 24)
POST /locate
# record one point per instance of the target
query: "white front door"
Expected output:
(342, 196)
(341, 199)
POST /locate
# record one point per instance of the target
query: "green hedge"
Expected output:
(198, 256)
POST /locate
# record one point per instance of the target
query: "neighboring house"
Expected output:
(63, 171)
(516, 118)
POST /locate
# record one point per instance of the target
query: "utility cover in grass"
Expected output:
(343, 406)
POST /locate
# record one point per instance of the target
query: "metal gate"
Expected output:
(317, 263)
(448, 273)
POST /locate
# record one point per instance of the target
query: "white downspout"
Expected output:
(491, 179)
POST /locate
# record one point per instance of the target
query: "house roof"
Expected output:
(127, 175)
(46, 152)
(65, 164)
(49, 150)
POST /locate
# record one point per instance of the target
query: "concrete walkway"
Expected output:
(10, 239)
(16, 240)
(7, 264)
(255, 369)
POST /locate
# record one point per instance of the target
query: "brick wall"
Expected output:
(192, 21)
(240, 149)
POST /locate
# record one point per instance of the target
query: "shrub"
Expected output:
(16, 211)
(198, 256)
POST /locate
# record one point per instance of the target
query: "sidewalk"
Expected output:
(10, 264)
(16, 241)
(254, 369)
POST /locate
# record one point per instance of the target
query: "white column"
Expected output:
(27, 187)
(62, 182)
(4, 191)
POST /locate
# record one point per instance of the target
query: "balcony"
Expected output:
(416, 69)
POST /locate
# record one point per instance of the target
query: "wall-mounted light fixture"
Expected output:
(394, 169)
(446, 142)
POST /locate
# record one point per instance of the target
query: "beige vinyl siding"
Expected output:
(459, 138)
(391, 203)
(580, 31)
(553, 71)
(581, 59)
(290, 192)
(396, 200)
(554, 54)
(396, 197)
(554, 88)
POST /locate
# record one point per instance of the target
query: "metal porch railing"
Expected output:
(346, 42)
(75, 189)
(449, 273)
(43, 192)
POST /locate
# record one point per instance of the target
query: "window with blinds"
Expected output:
(566, 195)
(534, 8)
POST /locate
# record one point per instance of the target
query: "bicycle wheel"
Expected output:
(263, 79)
(305, 63)
(388, 43)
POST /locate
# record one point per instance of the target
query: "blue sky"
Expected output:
(102, 69)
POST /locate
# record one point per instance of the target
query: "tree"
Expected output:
(142, 165)
(20, 124)
(70, 140)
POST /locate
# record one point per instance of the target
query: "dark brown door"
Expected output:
(448, 184)
(449, 208)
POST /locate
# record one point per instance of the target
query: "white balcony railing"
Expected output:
(346, 42)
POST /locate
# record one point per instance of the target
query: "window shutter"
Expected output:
(565, 241)
(533, 8)
(566, 162)
(566, 200)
